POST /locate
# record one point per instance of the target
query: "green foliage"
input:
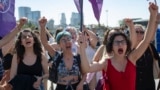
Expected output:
(29, 25)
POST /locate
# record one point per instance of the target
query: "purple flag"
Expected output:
(77, 5)
(7, 19)
(97, 7)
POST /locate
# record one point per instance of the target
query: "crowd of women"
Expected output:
(126, 61)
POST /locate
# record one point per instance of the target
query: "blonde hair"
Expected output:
(140, 25)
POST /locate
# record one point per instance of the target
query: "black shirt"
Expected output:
(144, 66)
(35, 69)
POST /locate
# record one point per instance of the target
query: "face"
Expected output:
(27, 39)
(65, 43)
(119, 45)
(139, 32)
(74, 34)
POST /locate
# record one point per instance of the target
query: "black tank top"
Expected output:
(35, 69)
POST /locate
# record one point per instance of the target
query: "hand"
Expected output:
(22, 21)
(37, 84)
(84, 29)
(128, 22)
(79, 86)
(153, 9)
(42, 22)
(81, 40)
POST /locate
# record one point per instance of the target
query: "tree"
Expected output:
(29, 25)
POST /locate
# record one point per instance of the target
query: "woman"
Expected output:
(4, 41)
(101, 53)
(91, 41)
(7, 38)
(73, 32)
(120, 69)
(29, 64)
(68, 68)
(144, 64)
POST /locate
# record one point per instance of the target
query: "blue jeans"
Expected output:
(41, 86)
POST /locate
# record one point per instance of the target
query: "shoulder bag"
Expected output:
(156, 72)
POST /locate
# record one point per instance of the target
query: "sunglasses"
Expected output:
(68, 39)
(117, 43)
(26, 36)
(140, 32)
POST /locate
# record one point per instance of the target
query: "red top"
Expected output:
(121, 80)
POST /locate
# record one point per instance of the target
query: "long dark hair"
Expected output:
(20, 50)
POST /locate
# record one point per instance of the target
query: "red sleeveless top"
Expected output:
(121, 80)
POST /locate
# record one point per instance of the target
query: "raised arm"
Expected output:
(92, 37)
(99, 53)
(8, 48)
(142, 46)
(51, 38)
(13, 33)
(84, 62)
(156, 25)
(132, 32)
(47, 46)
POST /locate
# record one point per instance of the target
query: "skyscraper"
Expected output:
(50, 25)
(35, 17)
(32, 16)
(63, 20)
(24, 12)
(75, 19)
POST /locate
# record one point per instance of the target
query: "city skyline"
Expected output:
(33, 17)
(112, 10)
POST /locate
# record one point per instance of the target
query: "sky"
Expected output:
(112, 10)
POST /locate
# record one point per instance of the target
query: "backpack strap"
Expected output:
(155, 53)
(53, 76)
(58, 59)
(78, 60)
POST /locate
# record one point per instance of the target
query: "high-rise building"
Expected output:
(32, 16)
(35, 17)
(75, 19)
(63, 20)
(50, 25)
(24, 12)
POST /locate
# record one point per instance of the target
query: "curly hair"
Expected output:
(107, 33)
(109, 44)
(20, 49)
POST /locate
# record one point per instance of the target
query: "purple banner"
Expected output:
(7, 19)
(77, 5)
(97, 7)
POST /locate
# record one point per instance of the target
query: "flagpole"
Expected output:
(155, 2)
(81, 14)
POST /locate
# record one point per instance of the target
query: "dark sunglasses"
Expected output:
(116, 42)
(140, 32)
